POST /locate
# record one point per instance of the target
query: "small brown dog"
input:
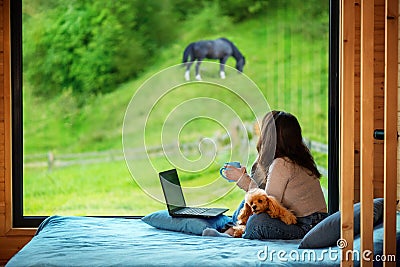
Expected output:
(257, 201)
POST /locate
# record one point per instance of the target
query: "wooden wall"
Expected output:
(398, 121)
(11, 240)
(368, 100)
(379, 40)
(379, 69)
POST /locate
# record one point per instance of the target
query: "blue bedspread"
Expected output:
(85, 241)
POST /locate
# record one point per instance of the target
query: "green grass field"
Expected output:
(289, 68)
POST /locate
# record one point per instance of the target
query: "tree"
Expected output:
(92, 47)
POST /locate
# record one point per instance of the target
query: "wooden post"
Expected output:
(50, 160)
(390, 143)
(367, 129)
(347, 44)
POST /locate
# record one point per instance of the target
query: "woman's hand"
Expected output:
(233, 173)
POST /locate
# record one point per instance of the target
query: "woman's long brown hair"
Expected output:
(289, 140)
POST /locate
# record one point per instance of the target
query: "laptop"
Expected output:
(176, 202)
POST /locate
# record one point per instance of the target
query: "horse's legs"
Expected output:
(187, 72)
(198, 77)
(222, 62)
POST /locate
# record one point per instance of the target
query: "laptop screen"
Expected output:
(172, 189)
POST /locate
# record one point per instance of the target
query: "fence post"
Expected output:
(50, 160)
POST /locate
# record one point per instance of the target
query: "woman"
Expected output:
(286, 170)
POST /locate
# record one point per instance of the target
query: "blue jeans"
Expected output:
(262, 226)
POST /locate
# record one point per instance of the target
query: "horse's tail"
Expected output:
(188, 52)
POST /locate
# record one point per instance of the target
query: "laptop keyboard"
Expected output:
(191, 211)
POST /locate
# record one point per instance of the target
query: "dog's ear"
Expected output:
(273, 206)
(244, 214)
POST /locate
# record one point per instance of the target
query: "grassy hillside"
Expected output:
(284, 60)
(289, 67)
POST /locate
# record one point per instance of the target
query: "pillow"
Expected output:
(327, 232)
(162, 220)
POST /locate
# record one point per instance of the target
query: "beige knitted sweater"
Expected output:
(294, 186)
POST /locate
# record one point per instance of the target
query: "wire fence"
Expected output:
(52, 160)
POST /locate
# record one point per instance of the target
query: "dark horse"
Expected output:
(220, 49)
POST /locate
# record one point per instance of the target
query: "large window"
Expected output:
(100, 105)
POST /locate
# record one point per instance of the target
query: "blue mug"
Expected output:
(235, 164)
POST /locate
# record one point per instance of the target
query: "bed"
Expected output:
(90, 241)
